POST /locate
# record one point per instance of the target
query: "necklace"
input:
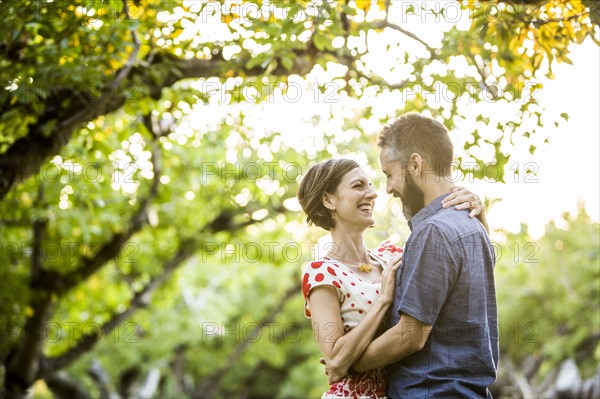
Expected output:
(365, 267)
(362, 266)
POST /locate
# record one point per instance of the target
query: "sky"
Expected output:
(569, 168)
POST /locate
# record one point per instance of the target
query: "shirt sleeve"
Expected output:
(316, 274)
(426, 276)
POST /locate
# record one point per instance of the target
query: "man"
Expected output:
(444, 339)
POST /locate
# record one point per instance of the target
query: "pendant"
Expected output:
(365, 267)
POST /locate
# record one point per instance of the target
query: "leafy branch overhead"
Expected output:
(63, 67)
(137, 174)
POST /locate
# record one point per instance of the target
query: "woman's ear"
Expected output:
(329, 201)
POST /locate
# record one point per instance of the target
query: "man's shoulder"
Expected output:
(445, 219)
(452, 224)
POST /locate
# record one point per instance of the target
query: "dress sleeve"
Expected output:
(386, 251)
(316, 274)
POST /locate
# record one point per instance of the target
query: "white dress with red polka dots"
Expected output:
(356, 297)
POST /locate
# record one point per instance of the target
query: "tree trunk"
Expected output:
(65, 387)
(24, 364)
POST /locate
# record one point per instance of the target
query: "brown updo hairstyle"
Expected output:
(324, 177)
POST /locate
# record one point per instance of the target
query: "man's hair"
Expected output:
(324, 177)
(415, 133)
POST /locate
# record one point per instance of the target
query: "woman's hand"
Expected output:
(461, 198)
(388, 279)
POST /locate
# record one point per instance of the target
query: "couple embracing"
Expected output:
(412, 322)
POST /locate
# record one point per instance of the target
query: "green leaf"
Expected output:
(49, 127)
(287, 60)
(321, 42)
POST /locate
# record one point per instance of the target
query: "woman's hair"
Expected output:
(322, 178)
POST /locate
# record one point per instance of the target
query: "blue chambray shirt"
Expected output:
(447, 280)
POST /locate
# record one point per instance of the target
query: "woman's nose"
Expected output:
(372, 193)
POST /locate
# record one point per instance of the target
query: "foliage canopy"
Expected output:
(133, 144)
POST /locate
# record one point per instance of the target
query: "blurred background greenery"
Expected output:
(151, 245)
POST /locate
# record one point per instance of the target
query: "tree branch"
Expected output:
(65, 387)
(481, 69)
(387, 9)
(59, 283)
(177, 367)
(538, 23)
(102, 379)
(26, 155)
(140, 299)
(252, 384)
(379, 81)
(209, 385)
(387, 24)
(122, 74)
(587, 346)
(23, 366)
(53, 281)
(39, 231)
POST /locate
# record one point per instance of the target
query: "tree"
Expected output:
(552, 320)
(44, 102)
(110, 182)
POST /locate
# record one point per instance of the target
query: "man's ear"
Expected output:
(329, 201)
(416, 164)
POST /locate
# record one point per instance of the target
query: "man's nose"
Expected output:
(388, 187)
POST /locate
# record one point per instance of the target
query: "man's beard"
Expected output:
(412, 197)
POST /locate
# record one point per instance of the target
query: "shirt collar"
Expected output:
(424, 213)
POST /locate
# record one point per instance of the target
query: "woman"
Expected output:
(349, 290)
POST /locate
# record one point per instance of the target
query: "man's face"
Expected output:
(401, 183)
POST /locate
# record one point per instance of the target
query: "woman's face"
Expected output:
(354, 200)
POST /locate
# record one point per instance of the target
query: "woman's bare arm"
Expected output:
(340, 349)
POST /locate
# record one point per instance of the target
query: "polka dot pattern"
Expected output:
(356, 294)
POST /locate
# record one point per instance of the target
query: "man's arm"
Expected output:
(405, 338)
